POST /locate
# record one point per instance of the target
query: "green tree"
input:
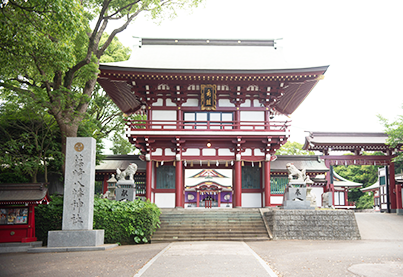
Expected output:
(29, 142)
(364, 174)
(50, 53)
(395, 137)
(121, 146)
(293, 148)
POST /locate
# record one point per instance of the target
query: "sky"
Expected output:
(361, 41)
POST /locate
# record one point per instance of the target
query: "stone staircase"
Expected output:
(210, 224)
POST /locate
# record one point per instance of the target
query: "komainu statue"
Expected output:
(129, 171)
(294, 172)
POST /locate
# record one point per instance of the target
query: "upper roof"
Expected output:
(188, 61)
(201, 55)
(339, 141)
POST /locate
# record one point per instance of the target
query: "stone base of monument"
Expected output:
(312, 225)
(295, 198)
(75, 240)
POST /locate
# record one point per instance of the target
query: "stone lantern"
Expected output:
(112, 187)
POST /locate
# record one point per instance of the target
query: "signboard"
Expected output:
(208, 97)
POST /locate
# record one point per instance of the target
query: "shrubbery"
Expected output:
(123, 222)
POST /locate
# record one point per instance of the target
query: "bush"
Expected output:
(48, 217)
(123, 222)
(126, 222)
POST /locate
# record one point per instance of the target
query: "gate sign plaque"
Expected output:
(208, 97)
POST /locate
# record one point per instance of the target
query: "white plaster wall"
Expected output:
(169, 152)
(158, 103)
(258, 152)
(165, 200)
(191, 152)
(248, 152)
(169, 103)
(276, 200)
(164, 115)
(318, 191)
(251, 200)
(256, 103)
(191, 103)
(252, 116)
(225, 152)
(225, 103)
(246, 104)
(157, 152)
(208, 152)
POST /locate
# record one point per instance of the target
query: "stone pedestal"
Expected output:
(125, 190)
(75, 238)
(295, 197)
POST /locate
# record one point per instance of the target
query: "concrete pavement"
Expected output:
(379, 253)
(207, 258)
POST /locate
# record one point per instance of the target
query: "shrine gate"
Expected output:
(219, 104)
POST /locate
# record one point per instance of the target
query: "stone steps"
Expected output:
(213, 225)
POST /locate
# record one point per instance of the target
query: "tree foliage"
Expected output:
(29, 139)
(293, 148)
(364, 174)
(395, 135)
(49, 51)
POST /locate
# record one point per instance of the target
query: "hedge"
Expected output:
(123, 222)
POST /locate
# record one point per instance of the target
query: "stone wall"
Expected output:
(312, 225)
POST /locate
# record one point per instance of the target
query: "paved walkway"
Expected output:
(200, 259)
(379, 253)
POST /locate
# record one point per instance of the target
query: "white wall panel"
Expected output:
(191, 103)
(208, 152)
(256, 103)
(191, 152)
(225, 103)
(165, 200)
(157, 152)
(169, 152)
(248, 152)
(164, 115)
(276, 200)
(159, 103)
(169, 103)
(251, 200)
(225, 152)
(258, 152)
(246, 104)
(318, 191)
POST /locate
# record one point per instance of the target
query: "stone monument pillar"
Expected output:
(78, 206)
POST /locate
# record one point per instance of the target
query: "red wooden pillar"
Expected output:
(267, 187)
(219, 199)
(237, 118)
(238, 184)
(179, 185)
(346, 196)
(31, 225)
(392, 187)
(149, 169)
(198, 199)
